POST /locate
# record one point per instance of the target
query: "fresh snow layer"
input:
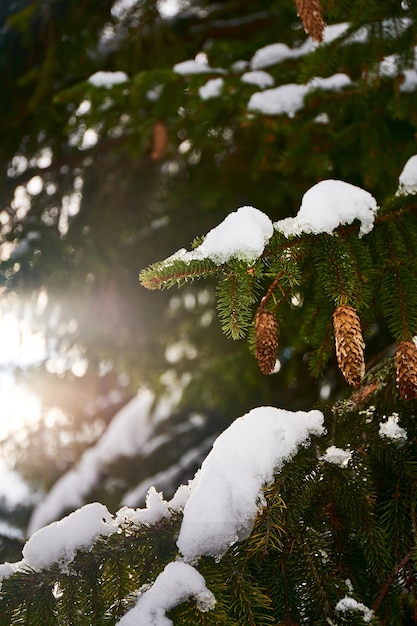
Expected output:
(108, 79)
(288, 99)
(329, 204)
(243, 234)
(226, 493)
(58, 542)
(408, 177)
(177, 583)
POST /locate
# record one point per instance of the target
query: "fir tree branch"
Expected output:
(390, 580)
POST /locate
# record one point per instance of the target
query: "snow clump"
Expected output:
(212, 89)
(243, 234)
(259, 78)
(226, 493)
(408, 177)
(350, 604)
(177, 583)
(329, 204)
(391, 428)
(58, 542)
(108, 79)
(337, 456)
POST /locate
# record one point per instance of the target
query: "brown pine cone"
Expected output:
(349, 344)
(310, 14)
(406, 369)
(266, 344)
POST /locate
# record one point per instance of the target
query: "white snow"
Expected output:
(278, 52)
(195, 67)
(337, 456)
(58, 542)
(274, 53)
(329, 204)
(129, 431)
(212, 89)
(177, 583)
(350, 604)
(392, 429)
(226, 493)
(259, 78)
(108, 79)
(8, 569)
(288, 99)
(408, 177)
(156, 509)
(243, 234)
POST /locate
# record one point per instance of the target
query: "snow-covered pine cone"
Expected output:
(349, 344)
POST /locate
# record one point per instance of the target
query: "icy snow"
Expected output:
(259, 78)
(350, 604)
(226, 493)
(108, 79)
(58, 542)
(337, 456)
(329, 204)
(288, 99)
(177, 583)
(391, 428)
(212, 89)
(408, 177)
(243, 234)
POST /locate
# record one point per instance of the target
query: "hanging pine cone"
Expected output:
(160, 140)
(266, 344)
(349, 344)
(406, 369)
(310, 14)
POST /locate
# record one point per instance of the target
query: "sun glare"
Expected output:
(19, 348)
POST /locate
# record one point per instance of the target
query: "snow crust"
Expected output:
(350, 604)
(108, 79)
(58, 542)
(392, 429)
(243, 234)
(288, 99)
(408, 177)
(212, 89)
(226, 493)
(337, 456)
(329, 204)
(177, 583)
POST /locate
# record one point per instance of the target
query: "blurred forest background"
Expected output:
(113, 157)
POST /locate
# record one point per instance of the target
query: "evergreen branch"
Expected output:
(390, 580)
(165, 275)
